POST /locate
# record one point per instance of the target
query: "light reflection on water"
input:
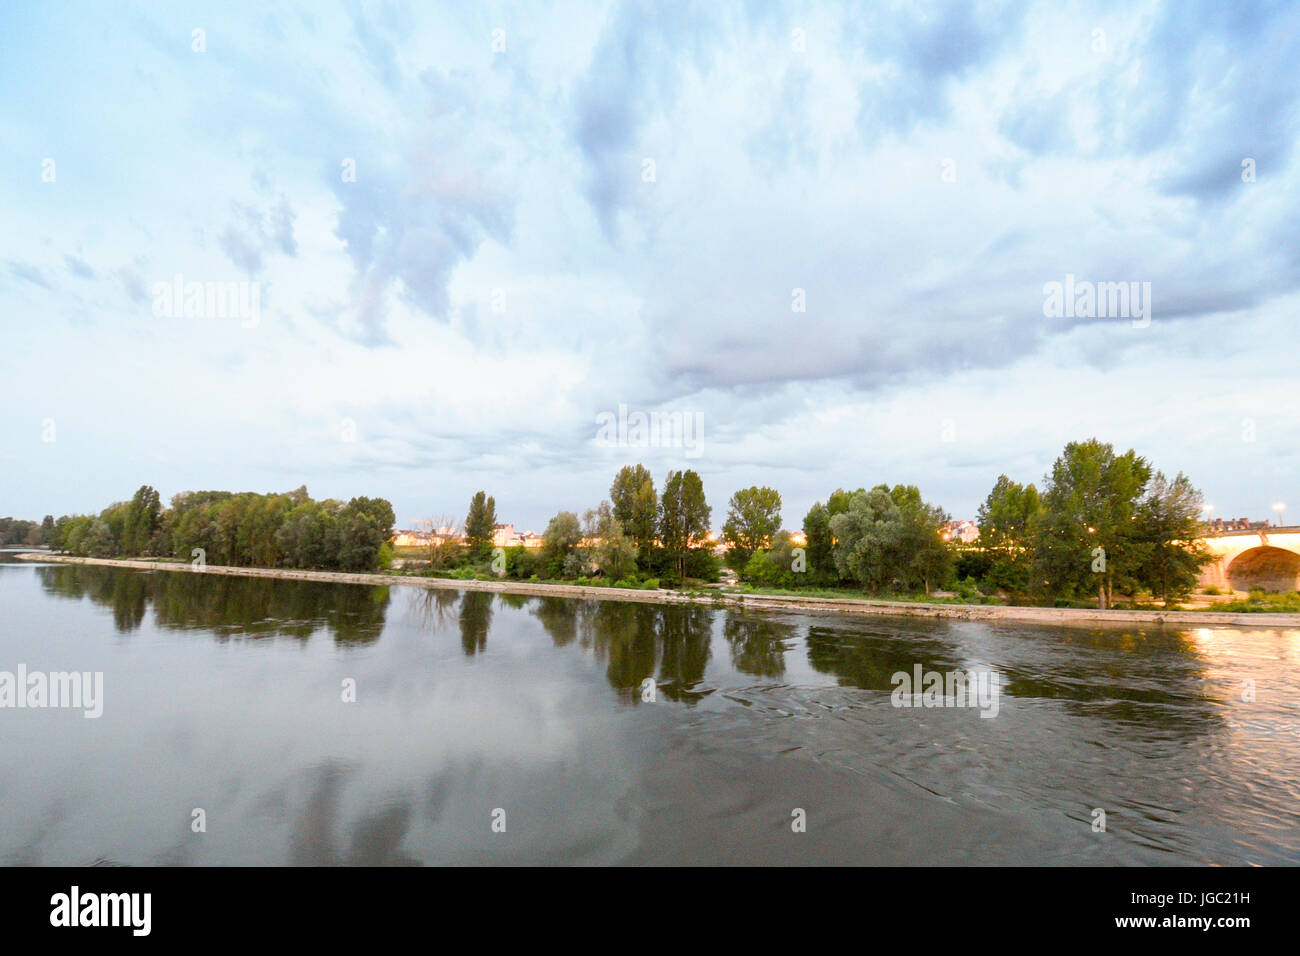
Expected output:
(224, 694)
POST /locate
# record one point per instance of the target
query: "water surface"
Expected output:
(226, 695)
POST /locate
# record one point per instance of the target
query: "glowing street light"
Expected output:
(1280, 508)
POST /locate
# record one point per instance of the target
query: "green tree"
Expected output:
(365, 526)
(774, 566)
(817, 532)
(1006, 520)
(683, 517)
(1169, 527)
(480, 524)
(635, 504)
(612, 551)
(99, 541)
(142, 516)
(1086, 537)
(867, 535)
(753, 516)
(560, 541)
(923, 558)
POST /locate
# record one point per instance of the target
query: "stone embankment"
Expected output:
(763, 602)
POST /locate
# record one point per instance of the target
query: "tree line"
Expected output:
(30, 534)
(245, 529)
(1102, 522)
(636, 537)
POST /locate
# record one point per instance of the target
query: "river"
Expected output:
(258, 721)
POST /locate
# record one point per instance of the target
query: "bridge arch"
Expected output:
(1266, 567)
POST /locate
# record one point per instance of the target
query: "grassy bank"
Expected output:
(739, 601)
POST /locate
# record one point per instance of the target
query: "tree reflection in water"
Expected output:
(229, 606)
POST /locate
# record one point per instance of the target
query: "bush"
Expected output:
(700, 563)
(971, 564)
(522, 563)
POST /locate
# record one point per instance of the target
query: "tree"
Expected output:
(1086, 536)
(141, 518)
(923, 557)
(613, 552)
(774, 566)
(480, 524)
(817, 532)
(444, 549)
(635, 505)
(1006, 520)
(1169, 528)
(866, 539)
(98, 541)
(365, 526)
(559, 541)
(753, 516)
(683, 516)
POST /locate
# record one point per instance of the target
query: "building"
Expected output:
(426, 539)
(1237, 524)
(505, 536)
(960, 531)
(412, 539)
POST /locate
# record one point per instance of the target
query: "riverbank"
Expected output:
(965, 612)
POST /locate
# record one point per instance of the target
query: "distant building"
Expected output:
(505, 536)
(963, 531)
(425, 539)
(412, 539)
(1220, 525)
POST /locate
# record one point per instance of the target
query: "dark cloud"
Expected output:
(78, 267)
(1206, 85)
(29, 273)
(133, 284)
(634, 72)
(241, 249)
(922, 51)
(419, 208)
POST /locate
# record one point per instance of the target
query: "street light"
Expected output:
(1280, 508)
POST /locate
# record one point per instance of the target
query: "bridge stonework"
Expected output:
(1267, 559)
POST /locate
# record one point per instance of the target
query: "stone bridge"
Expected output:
(1267, 558)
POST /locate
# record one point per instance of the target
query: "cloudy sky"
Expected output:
(473, 229)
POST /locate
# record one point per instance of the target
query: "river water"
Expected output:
(499, 729)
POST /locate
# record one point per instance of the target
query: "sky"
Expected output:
(472, 234)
